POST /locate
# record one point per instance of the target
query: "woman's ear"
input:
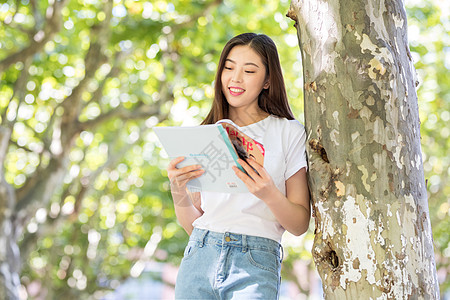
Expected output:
(266, 85)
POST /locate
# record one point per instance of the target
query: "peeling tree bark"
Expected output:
(9, 276)
(373, 235)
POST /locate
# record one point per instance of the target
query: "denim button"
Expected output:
(227, 239)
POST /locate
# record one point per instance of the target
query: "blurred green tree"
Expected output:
(83, 192)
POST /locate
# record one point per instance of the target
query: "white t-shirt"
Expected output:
(244, 213)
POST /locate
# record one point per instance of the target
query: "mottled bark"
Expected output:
(9, 277)
(373, 236)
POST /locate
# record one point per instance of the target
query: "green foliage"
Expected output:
(429, 35)
(114, 209)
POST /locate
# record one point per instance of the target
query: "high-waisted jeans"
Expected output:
(229, 266)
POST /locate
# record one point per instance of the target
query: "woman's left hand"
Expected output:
(259, 183)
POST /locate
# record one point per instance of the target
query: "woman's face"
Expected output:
(243, 78)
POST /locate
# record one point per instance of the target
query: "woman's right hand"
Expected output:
(179, 177)
(185, 210)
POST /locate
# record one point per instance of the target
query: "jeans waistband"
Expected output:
(237, 240)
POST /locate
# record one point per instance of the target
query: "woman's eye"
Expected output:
(251, 72)
(227, 68)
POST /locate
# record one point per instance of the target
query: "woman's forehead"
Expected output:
(244, 54)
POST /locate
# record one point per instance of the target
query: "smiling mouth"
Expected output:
(236, 91)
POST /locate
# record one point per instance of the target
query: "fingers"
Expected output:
(242, 176)
(178, 183)
(257, 180)
(179, 177)
(251, 161)
(189, 175)
(250, 167)
(173, 170)
(249, 178)
(174, 162)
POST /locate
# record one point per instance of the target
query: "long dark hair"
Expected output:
(272, 100)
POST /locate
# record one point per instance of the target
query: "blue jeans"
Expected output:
(229, 266)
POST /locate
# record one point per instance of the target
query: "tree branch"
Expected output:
(12, 142)
(5, 136)
(115, 70)
(52, 26)
(19, 91)
(86, 186)
(45, 184)
(46, 136)
(94, 58)
(38, 19)
(37, 192)
(141, 112)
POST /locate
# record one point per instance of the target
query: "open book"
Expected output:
(217, 148)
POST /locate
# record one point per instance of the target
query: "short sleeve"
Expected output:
(295, 152)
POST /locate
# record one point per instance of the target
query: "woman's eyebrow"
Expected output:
(246, 64)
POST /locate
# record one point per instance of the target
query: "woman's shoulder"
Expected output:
(284, 123)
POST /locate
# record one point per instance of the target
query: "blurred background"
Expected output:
(83, 82)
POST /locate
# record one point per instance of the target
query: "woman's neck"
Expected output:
(245, 118)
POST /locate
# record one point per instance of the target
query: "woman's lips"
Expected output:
(235, 91)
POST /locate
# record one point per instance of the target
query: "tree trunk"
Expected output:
(373, 235)
(9, 251)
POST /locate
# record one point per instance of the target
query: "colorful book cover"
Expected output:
(216, 147)
(245, 146)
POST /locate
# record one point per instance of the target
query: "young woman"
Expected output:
(234, 248)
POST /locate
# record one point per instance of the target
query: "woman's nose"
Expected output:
(236, 76)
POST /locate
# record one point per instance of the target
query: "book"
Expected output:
(244, 145)
(217, 148)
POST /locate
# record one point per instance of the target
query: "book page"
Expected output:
(245, 146)
(209, 146)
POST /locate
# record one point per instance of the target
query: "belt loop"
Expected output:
(282, 253)
(244, 243)
(203, 237)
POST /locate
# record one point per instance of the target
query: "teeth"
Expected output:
(235, 90)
